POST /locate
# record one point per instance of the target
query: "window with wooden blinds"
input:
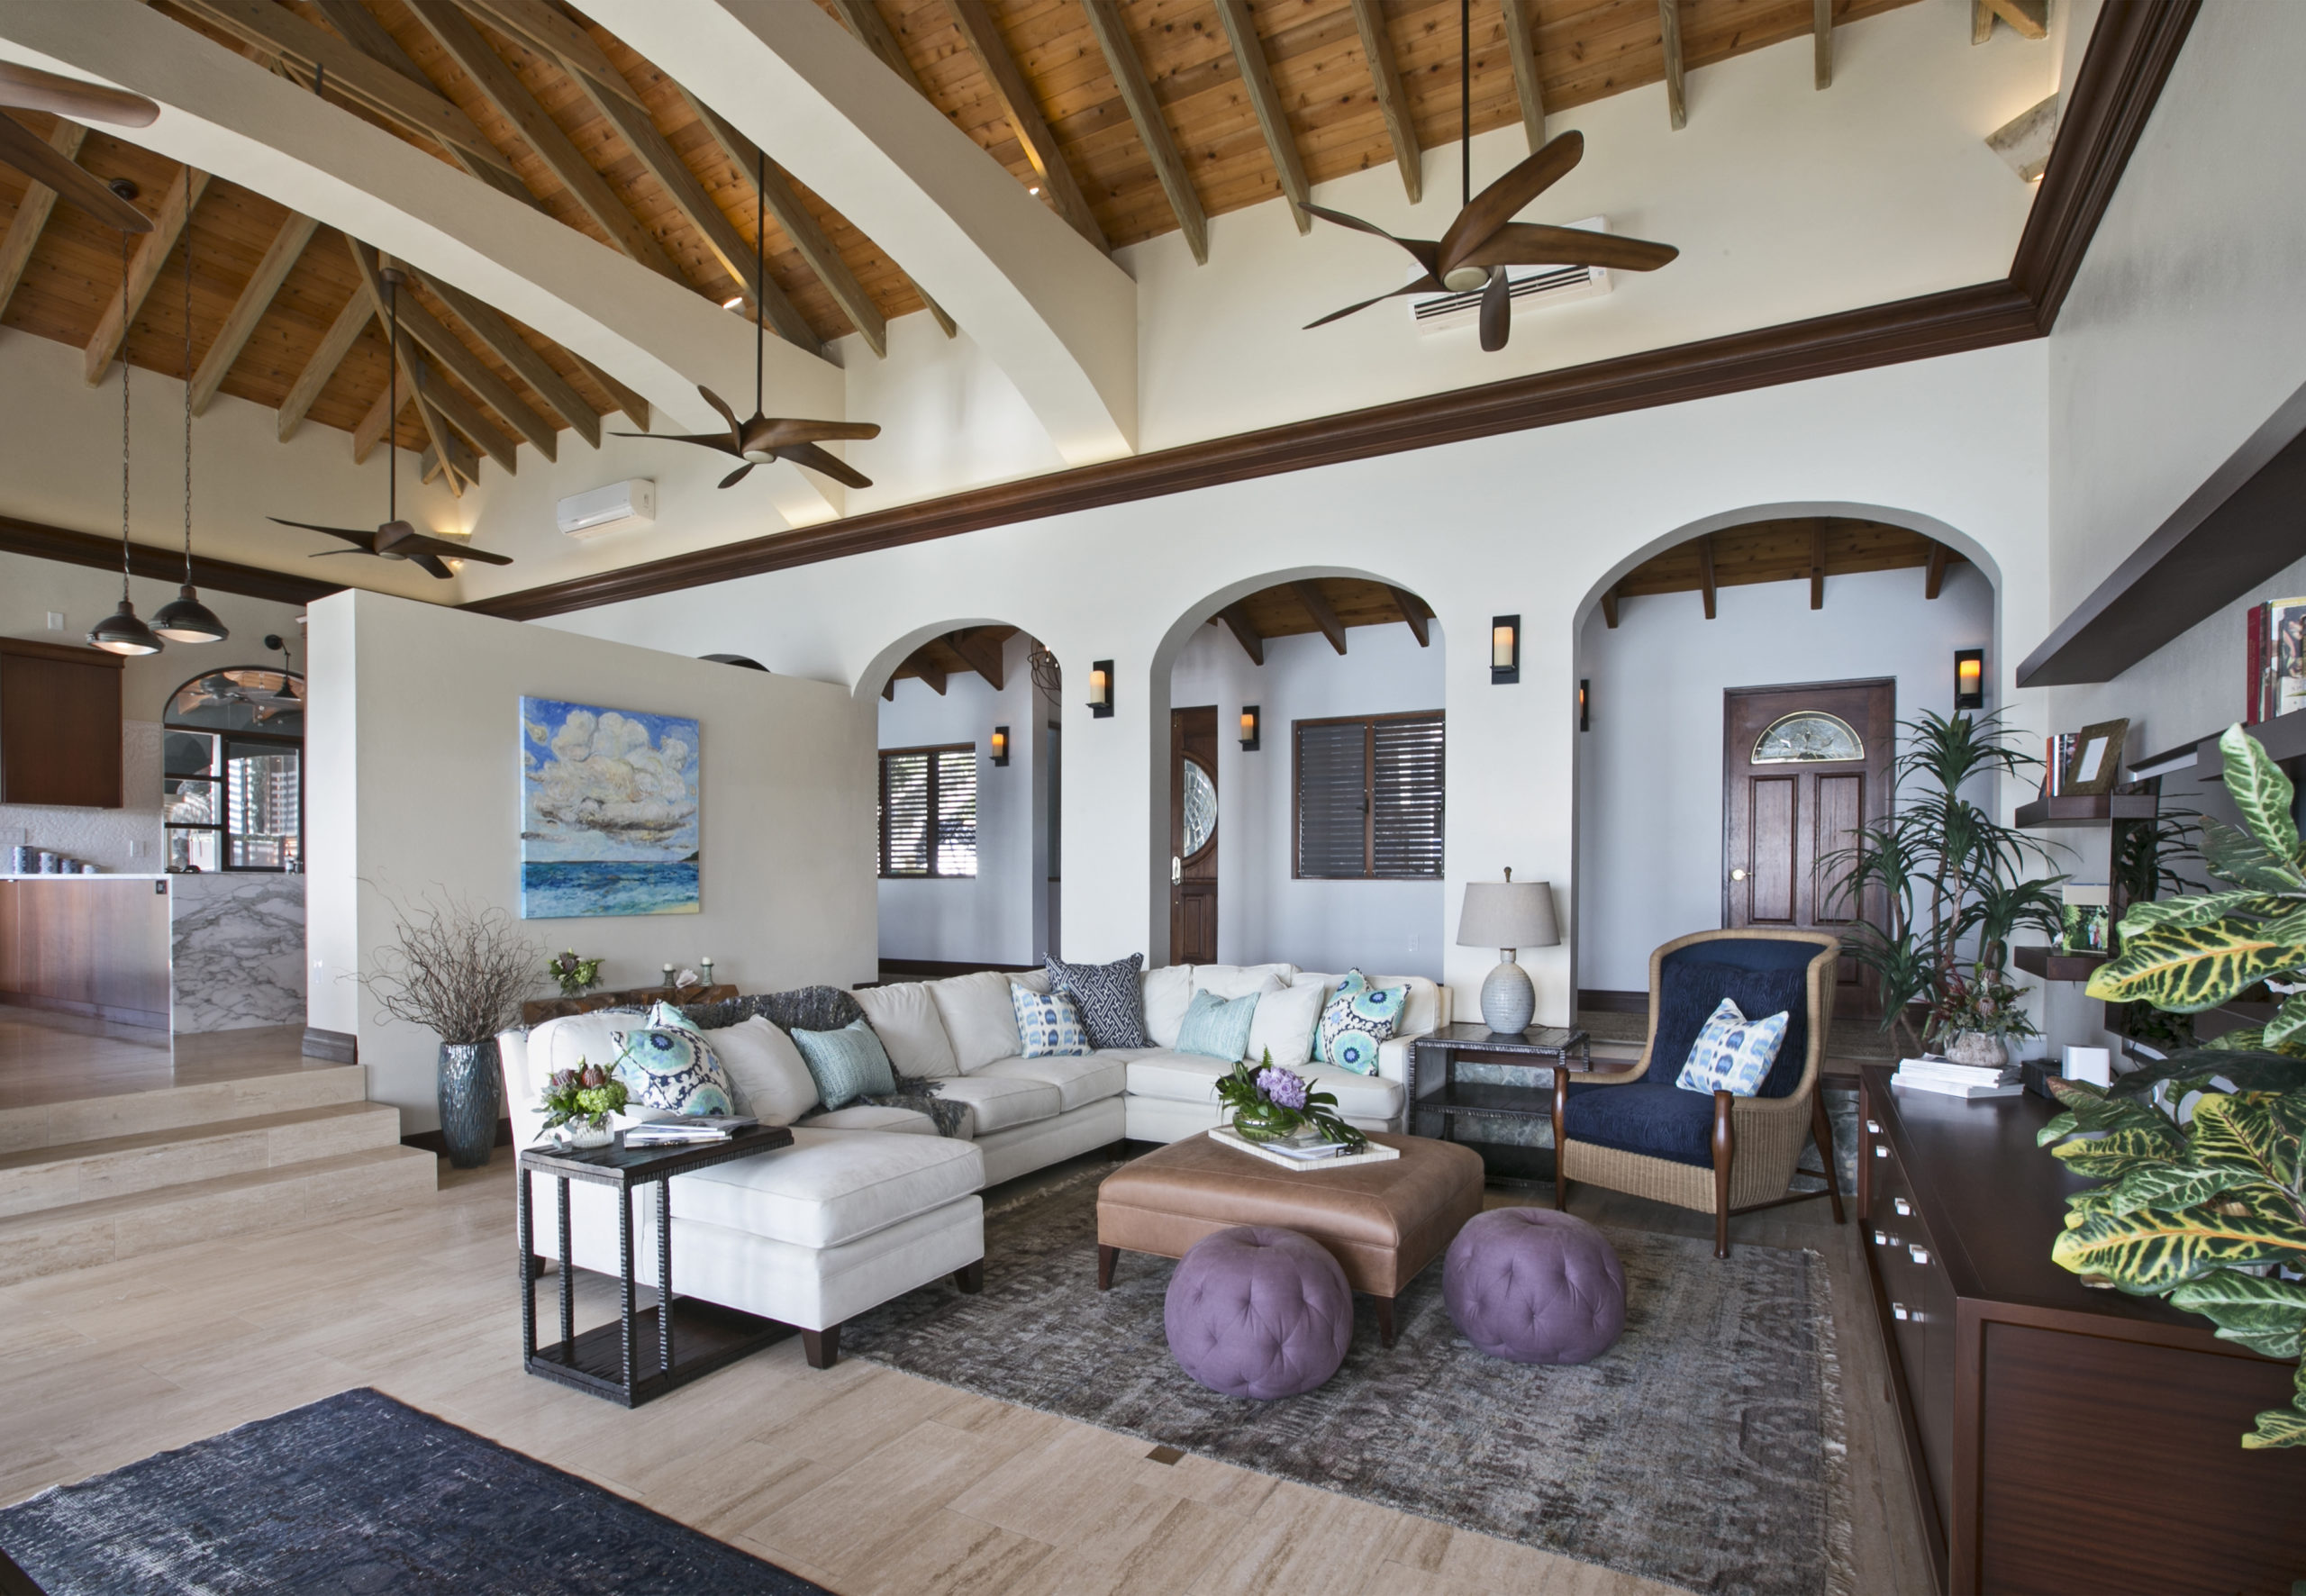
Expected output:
(928, 811)
(1369, 798)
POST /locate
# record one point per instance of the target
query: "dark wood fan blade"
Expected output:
(332, 553)
(431, 565)
(1530, 243)
(1502, 200)
(1425, 250)
(1426, 285)
(366, 539)
(737, 476)
(778, 432)
(1496, 312)
(817, 460)
(422, 545)
(736, 432)
(73, 185)
(28, 88)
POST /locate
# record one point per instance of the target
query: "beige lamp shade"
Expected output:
(1507, 914)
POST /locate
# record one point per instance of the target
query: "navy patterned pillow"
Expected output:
(1110, 998)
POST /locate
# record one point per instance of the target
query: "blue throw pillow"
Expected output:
(670, 1069)
(1732, 1053)
(1110, 998)
(1049, 1025)
(846, 1063)
(1216, 1028)
(1358, 1018)
(1691, 988)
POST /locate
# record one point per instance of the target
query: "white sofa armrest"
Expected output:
(1392, 1059)
(519, 1090)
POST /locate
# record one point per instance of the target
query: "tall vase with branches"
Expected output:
(460, 972)
(1947, 887)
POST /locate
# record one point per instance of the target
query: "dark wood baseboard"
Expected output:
(113, 1012)
(1603, 1002)
(432, 1141)
(930, 969)
(338, 1047)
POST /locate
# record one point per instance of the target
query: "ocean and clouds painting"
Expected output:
(608, 811)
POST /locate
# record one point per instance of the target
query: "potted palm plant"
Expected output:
(460, 973)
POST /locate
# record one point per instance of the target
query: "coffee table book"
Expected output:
(1373, 1153)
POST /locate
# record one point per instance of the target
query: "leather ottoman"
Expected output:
(1381, 1222)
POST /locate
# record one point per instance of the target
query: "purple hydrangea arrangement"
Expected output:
(1285, 1087)
(1272, 1103)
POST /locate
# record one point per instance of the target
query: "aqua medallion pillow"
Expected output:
(1049, 1025)
(846, 1063)
(663, 1016)
(1733, 1054)
(671, 1069)
(1215, 1027)
(1359, 1018)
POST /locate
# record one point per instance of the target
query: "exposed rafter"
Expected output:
(1609, 605)
(1237, 622)
(1821, 31)
(1385, 81)
(2028, 19)
(434, 391)
(31, 213)
(635, 408)
(553, 34)
(1257, 78)
(1521, 51)
(1319, 610)
(1669, 31)
(981, 652)
(335, 344)
(144, 269)
(1145, 114)
(1817, 567)
(982, 36)
(1415, 613)
(1705, 572)
(436, 426)
(1933, 581)
(255, 299)
(419, 325)
(863, 18)
(500, 339)
(371, 430)
(931, 677)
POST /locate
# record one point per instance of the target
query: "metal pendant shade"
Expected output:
(122, 631)
(184, 619)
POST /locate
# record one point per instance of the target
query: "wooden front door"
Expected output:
(1801, 769)
(1192, 836)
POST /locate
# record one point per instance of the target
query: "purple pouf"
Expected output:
(1258, 1313)
(1535, 1286)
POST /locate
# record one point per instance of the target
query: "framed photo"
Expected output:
(2096, 765)
(2285, 657)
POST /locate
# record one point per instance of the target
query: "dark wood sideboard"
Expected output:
(2061, 1438)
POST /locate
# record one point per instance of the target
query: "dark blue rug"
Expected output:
(360, 1495)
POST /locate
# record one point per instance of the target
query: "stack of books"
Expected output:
(1948, 1079)
(685, 1130)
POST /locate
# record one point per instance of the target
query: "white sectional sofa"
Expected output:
(870, 1201)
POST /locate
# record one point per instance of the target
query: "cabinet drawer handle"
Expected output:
(1905, 1209)
(1881, 1239)
(1873, 1127)
(1880, 1151)
(1898, 1311)
(1919, 1254)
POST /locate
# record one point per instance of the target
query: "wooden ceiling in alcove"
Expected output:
(1808, 549)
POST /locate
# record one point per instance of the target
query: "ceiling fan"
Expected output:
(767, 438)
(396, 539)
(1485, 239)
(28, 88)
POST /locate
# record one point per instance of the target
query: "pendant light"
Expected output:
(120, 632)
(187, 620)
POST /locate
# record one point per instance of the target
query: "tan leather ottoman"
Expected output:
(1382, 1222)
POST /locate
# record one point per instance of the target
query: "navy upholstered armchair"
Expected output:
(1634, 1130)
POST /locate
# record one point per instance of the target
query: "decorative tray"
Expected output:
(1372, 1153)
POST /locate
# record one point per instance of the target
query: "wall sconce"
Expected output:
(1249, 728)
(1584, 704)
(1504, 650)
(1101, 689)
(1001, 745)
(1969, 678)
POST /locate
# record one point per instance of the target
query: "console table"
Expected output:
(1438, 1098)
(2060, 1438)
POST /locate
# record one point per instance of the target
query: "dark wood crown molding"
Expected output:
(161, 565)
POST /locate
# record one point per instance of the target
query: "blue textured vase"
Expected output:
(471, 1086)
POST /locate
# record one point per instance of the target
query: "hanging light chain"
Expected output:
(124, 418)
(187, 407)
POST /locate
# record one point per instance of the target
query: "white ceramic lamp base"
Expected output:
(1508, 1001)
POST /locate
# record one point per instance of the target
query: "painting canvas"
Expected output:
(608, 811)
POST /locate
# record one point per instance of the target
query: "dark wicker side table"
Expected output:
(1434, 1088)
(651, 1351)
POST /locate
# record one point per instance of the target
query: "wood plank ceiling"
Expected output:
(1130, 117)
(1808, 549)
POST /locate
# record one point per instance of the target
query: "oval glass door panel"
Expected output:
(1808, 737)
(1200, 805)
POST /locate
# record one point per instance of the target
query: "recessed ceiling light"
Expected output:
(1030, 190)
(735, 302)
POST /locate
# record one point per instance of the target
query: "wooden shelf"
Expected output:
(2053, 964)
(2088, 809)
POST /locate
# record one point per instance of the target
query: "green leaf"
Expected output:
(2148, 1252)
(2279, 1426)
(2171, 1187)
(2064, 1126)
(2262, 1314)
(2248, 1070)
(2288, 1022)
(2117, 1153)
(2186, 969)
(2094, 1110)
(2261, 793)
(2239, 857)
(2256, 1131)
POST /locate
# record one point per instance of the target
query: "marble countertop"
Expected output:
(100, 876)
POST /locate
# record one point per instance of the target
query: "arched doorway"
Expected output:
(231, 783)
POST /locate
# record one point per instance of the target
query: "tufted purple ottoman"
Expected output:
(1258, 1313)
(1535, 1286)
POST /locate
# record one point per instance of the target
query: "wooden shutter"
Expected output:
(956, 811)
(904, 812)
(1406, 792)
(1333, 798)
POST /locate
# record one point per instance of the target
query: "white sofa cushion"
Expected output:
(1078, 1081)
(1285, 1023)
(997, 1102)
(980, 1018)
(830, 1186)
(1187, 1077)
(576, 1040)
(772, 1081)
(1238, 981)
(874, 1116)
(1168, 993)
(905, 1018)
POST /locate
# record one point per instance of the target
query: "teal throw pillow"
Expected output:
(1358, 1018)
(1216, 1029)
(1049, 1025)
(670, 1070)
(1732, 1053)
(846, 1063)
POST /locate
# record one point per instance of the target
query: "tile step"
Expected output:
(71, 1173)
(172, 1107)
(53, 1240)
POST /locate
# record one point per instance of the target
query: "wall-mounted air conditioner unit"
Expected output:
(1532, 287)
(632, 502)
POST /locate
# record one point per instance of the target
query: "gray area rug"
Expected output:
(1705, 1450)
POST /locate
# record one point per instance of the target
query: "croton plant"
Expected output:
(2203, 1153)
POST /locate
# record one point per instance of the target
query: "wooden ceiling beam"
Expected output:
(982, 654)
(982, 35)
(464, 465)
(249, 309)
(421, 325)
(365, 34)
(2029, 19)
(502, 341)
(931, 675)
(503, 88)
(799, 223)
(335, 344)
(370, 428)
(31, 214)
(433, 392)
(1705, 572)
(1317, 607)
(1385, 80)
(1415, 613)
(143, 270)
(1237, 622)
(1152, 125)
(365, 261)
(1933, 580)
(635, 408)
(1821, 31)
(1609, 605)
(1669, 31)
(1521, 51)
(552, 33)
(864, 19)
(1265, 100)
(1817, 567)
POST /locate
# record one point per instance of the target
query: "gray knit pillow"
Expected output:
(1110, 998)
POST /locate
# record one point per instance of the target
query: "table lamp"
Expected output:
(1508, 915)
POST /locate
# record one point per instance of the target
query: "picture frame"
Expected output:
(2095, 767)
